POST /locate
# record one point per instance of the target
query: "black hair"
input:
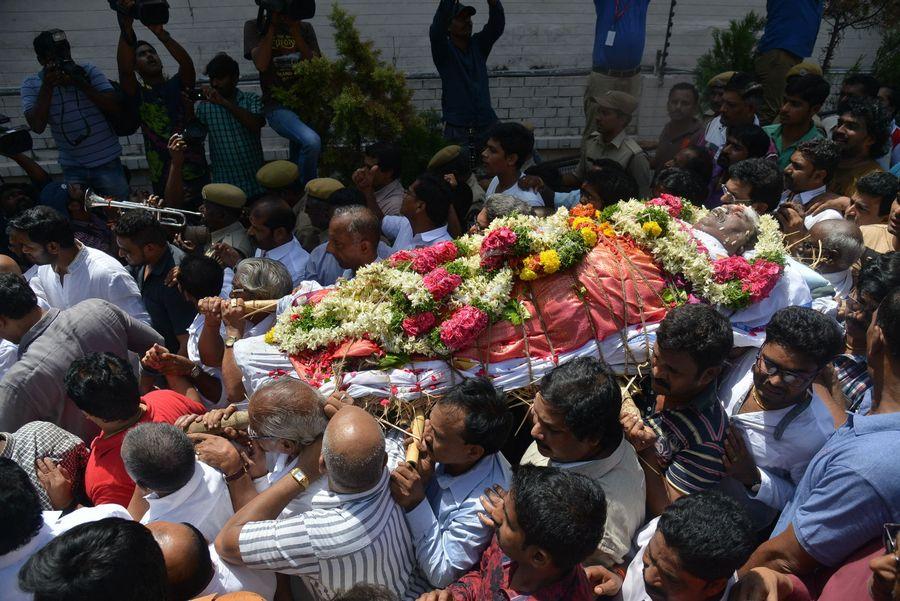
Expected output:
(892, 96)
(823, 154)
(17, 299)
(488, 419)
(701, 162)
(685, 86)
(748, 88)
(559, 511)
(104, 386)
(20, 507)
(710, 533)
(222, 65)
(586, 390)
(346, 197)
(140, 43)
(201, 276)
(683, 183)
(547, 172)
(436, 194)
(158, 457)
(44, 225)
(108, 560)
(388, 156)
(277, 211)
(365, 592)
(612, 185)
(889, 321)
(878, 122)
(765, 179)
(698, 330)
(753, 138)
(141, 227)
(878, 276)
(882, 185)
(868, 82)
(810, 88)
(514, 138)
(806, 332)
(44, 45)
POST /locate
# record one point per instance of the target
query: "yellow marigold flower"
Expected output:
(607, 230)
(527, 275)
(550, 261)
(589, 236)
(581, 222)
(270, 336)
(597, 214)
(652, 229)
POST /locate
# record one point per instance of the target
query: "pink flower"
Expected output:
(425, 260)
(496, 246)
(418, 324)
(384, 402)
(671, 204)
(463, 327)
(763, 277)
(440, 283)
(401, 256)
(445, 251)
(730, 268)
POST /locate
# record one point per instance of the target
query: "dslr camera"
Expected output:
(13, 140)
(295, 9)
(54, 48)
(148, 12)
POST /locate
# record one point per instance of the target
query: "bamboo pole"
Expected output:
(239, 420)
(418, 429)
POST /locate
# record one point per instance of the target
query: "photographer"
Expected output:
(161, 106)
(234, 119)
(286, 42)
(75, 100)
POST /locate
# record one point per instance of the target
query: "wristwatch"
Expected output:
(229, 342)
(195, 371)
(300, 478)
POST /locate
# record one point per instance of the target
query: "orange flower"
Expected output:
(582, 210)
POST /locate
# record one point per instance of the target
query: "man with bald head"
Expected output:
(194, 569)
(354, 238)
(354, 533)
(9, 265)
(832, 248)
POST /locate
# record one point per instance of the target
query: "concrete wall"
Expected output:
(540, 63)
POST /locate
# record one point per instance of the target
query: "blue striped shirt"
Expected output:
(74, 117)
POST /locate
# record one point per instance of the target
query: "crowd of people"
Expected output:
(154, 445)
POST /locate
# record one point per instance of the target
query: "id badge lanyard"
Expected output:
(618, 12)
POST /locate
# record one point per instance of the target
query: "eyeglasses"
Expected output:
(890, 537)
(252, 435)
(729, 198)
(770, 368)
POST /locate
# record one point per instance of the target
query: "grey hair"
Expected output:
(844, 239)
(355, 473)
(503, 205)
(158, 457)
(263, 279)
(361, 221)
(289, 409)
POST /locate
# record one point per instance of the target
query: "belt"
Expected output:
(616, 72)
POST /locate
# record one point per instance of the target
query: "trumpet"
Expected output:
(169, 217)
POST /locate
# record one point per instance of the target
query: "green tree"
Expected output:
(358, 99)
(843, 15)
(887, 60)
(733, 48)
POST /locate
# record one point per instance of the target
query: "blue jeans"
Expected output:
(107, 179)
(305, 144)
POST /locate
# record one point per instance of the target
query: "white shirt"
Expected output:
(203, 502)
(841, 282)
(782, 442)
(8, 355)
(279, 467)
(807, 197)
(229, 578)
(291, 255)
(529, 196)
(633, 586)
(400, 231)
(91, 274)
(53, 526)
(193, 344)
(716, 135)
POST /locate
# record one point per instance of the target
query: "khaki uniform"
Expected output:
(234, 236)
(622, 149)
(598, 85)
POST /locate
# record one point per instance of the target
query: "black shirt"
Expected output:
(170, 313)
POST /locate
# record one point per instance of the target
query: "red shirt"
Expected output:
(849, 581)
(492, 581)
(105, 478)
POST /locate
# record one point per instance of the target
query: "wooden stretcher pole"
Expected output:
(239, 420)
(260, 306)
(418, 429)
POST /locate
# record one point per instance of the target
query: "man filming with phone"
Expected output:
(285, 41)
(75, 100)
(160, 105)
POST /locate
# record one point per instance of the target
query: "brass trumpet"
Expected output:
(169, 217)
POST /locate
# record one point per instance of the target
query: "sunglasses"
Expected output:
(770, 368)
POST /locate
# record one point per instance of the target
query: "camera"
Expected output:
(148, 12)
(196, 95)
(295, 9)
(13, 140)
(54, 48)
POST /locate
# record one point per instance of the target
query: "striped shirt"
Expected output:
(82, 133)
(691, 442)
(343, 540)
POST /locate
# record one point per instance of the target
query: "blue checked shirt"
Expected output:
(235, 151)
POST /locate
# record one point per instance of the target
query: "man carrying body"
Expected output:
(461, 61)
(70, 272)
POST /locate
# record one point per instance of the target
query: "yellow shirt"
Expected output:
(877, 238)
